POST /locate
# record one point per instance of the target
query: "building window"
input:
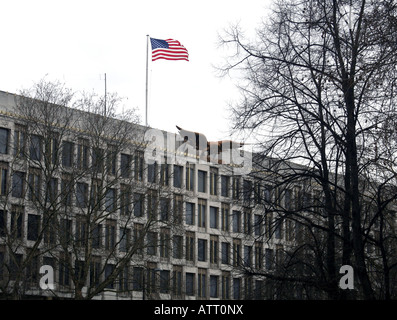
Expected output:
(225, 180)
(151, 278)
(96, 194)
(82, 154)
(164, 174)
(125, 200)
(67, 190)
(137, 279)
(33, 227)
(124, 278)
(202, 181)
(79, 272)
(4, 140)
(190, 244)
(259, 290)
(52, 147)
(138, 237)
(164, 243)
(235, 188)
(247, 221)
(67, 154)
(110, 235)
(138, 204)
(177, 281)
(65, 232)
(124, 243)
(225, 286)
(288, 199)
(20, 141)
(202, 250)
(110, 200)
(81, 229)
(164, 281)
(267, 193)
(190, 170)
(18, 179)
(2, 263)
(214, 249)
(152, 204)
(258, 225)
(3, 223)
(236, 221)
(201, 212)
(269, 259)
(225, 208)
(247, 256)
(189, 284)
(52, 191)
(269, 225)
(177, 247)
(213, 181)
(35, 148)
(247, 192)
(50, 229)
(164, 209)
(95, 271)
(236, 288)
(257, 192)
(109, 269)
(178, 209)
(278, 229)
(97, 160)
(289, 230)
(96, 235)
(202, 283)
(138, 165)
(236, 252)
(3, 178)
(151, 248)
(248, 288)
(152, 172)
(64, 271)
(17, 222)
(298, 198)
(214, 217)
(125, 165)
(34, 185)
(81, 194)
(15, 266)
(111, 160)
(32, 268)
(190, 213)
(258, 255)
(214, 286)
(225, 253)
(178, 171)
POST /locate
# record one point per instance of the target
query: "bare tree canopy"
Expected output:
(75, 197)
(319, 90)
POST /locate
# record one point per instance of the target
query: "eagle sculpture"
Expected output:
(199, 141)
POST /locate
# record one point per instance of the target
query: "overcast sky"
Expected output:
(77, 42)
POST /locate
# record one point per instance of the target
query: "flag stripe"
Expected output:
(168, 49)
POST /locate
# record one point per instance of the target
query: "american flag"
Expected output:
(168, 49)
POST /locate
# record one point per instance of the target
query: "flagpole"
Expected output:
(147, 67)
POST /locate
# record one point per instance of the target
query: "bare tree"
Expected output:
(81, 197)
(319, 79)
